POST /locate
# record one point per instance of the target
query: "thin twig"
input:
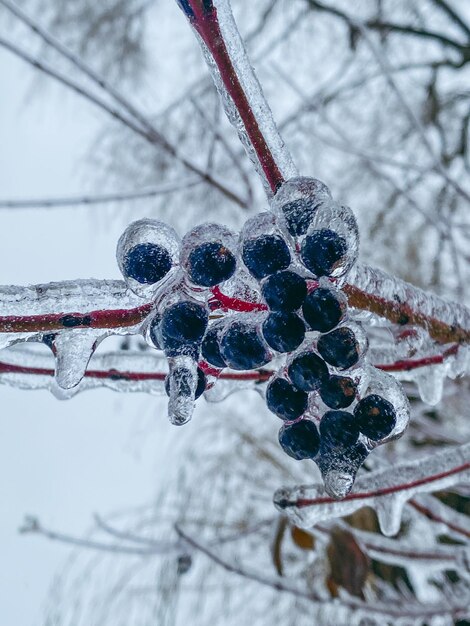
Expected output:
(150, 192)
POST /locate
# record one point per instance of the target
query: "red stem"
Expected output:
(436, 518)
(207, 25)
(303, 502)
(49, 322)
(411, 364)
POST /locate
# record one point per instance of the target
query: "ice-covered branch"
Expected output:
(385, 491)
(240, 90)
(248, 110)
(404, 304)
(345, 610)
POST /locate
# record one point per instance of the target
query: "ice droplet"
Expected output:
(296, 203)
(378, 382)
(340, 219)
(183, 383)
(430, 382)
(209, 233)
(152, 233)
(73, 351)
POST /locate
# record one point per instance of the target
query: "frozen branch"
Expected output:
(385, 491)
(340, 609)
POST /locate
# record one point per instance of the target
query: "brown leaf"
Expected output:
(302, 539)
(348, 564)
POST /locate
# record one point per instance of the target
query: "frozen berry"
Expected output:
(376, 417)
(243, 348)
(283, 332)
(300, 440)
(211, 263)
(265, 255)
(284, 400)
(339, 348)
(184, 321)
(284, 291)
(338, 429)
(147, 263)
(322, 251)
(210, 348)
(201, 383)
(299, 215)
(307, 371)
(338, 392)
(323, 309)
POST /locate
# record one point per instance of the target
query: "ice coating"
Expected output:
(261, 224)
(209, 233)
(386, 491)
(296, 203)
(73, 352)
(376, 381)
(182, 382)
(252, 89)
(331, 217)
(147, 232)
(426, 306)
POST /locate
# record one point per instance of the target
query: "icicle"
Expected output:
(182, 389)
(386, 491)
(73, 351)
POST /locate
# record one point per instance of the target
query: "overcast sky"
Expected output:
(61, 461)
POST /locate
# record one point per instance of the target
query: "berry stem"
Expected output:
(206, 24)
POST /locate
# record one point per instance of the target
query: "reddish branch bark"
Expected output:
(207, 25)
(402, 313)
(303, 502)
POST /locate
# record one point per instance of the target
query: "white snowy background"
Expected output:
(101, 451)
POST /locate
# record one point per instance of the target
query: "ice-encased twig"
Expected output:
(240, 92)
(384, 490)
(404, 304)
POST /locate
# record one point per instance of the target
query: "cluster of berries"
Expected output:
(290, 262)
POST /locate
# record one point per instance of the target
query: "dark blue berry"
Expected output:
(147, 263)
(375, 416)
(284, 291)
(323, 309)
(284, 332)
(265, 255)
(210, 264)
(201, 382)
(184, 321)
(284, 400)
(210, 348)
(338, 429)
(307, 371)
(300, 440)
(322, 251)
(243, 348)
(339, 348)
(338, 392)
(299, 215)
